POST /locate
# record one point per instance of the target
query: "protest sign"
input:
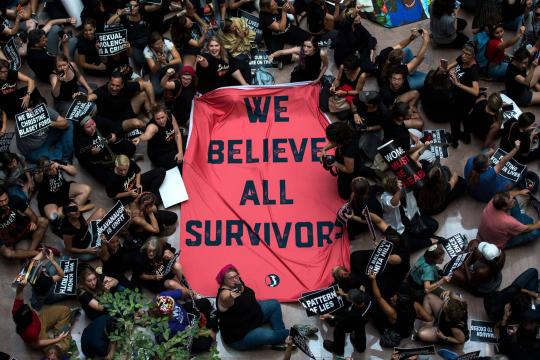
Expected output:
(5, 141)
(68, 284)
(512, 170)
(95, 235)
(172, 189)
(439, 144)
(379, 257)
(455, 262)
(365, 212)
(509, 114)
(342, 214)
(404, 353)
(406, 170)
(133, 134)
(165, 268)
(261, 60)
(28, 273)
(320, 302)
(112, 42)
(252, 22)
(32, 120)
(113, 221)
(483, 331)
(11, 52)
(301, 342)
(78, 110)
(469, 356)
(455, 244)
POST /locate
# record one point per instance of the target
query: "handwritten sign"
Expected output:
(11, 52)
(379, 257)
(512, 170)
(78, 110)
(33, 120)
(301, 342)
(455, 244)
(111, 43)
(68, 284)
(483, 331)
(5, 141)
(113, 221)
(322, 301)
(455, 263)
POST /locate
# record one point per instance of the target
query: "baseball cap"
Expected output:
(187, 70)
(489, 251)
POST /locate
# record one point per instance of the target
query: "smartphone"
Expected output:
(444, 64)
(237, 287)
(71, 209)
(507, 107)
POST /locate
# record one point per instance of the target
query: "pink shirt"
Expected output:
(497, 227)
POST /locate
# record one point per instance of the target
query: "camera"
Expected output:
(328, 161)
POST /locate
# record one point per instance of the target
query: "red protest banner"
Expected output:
(258, 196)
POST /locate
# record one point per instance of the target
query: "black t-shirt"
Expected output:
(85, 298)
(514, 89)
(466, 76)
(510, 134)
(117, 107)
(389, 95)
(53, 185)
(398, 133)
(9, 86)
(480, 120)
(118, 184)
(81, 237)
(181, 106)
(88, 49)
(350, 150)
(163, 141)
(315, 16)
(265, 20)
(13, 225)
(137, 32)
(216, 75)
(512, 11)
(381, 60)
(41, 62)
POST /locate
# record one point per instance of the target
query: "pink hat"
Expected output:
(221, 274)
(186, 69)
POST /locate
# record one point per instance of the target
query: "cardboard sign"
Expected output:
(483, 331)
(78, 110)
(68, 284)
(379, 257)
(405, 169)
(404, 353)
(33, 120)
(455, 245)
(455, 262)
(439, 144)
(112, 42)
(11, 52)
(365, 212)
(261, 60)
(512, 170)
(322, 301)
(5, 141)
(113, 221)
(252, 22)
(172, 189)
(166, 268)
(469, 356)
(301, 342)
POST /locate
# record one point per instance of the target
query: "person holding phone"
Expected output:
(525, 130)
(445, 25)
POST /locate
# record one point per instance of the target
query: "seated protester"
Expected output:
(421, 150)
(524, 130)
(214, 70)
(319, 19)
(312, 61)
(90, 287)
(29, 323)
(368, 119)
(14, 176)
(347, 159)
(521, 343)
(353, 321)
(345, 279)
(234, 7)
(531, 22)
(522, 84)
(54, 192)
(189, 36)
(160, 54)
(151, 266)
(481, 274)
(513, 13)
(100, 11)
(495, 50)
(403, 118)
(397, 89)
(348, 83)
(14, 100)
(167, 305)
(277, 28)
(117, 259)
(450, 319)
(43, 288)
(122, 101)
(485, 119)
(74, 230)
(180, 89)
(424, 276)
(239, 41)
(436, 96)
(147, 220)
(441, 188)
(54, 353)
(401, 56)
(127, 181)
(55, 142)
(155, 14)
(43, 46)
(88, 57)
(18, 221)
(95, 341)
(6, 32)
(483, 180)
(514, 301)
(164, 139)
(445, 26)
(66, 82)
(502, 223)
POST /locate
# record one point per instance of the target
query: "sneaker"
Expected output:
(328, 345)
(306, 330)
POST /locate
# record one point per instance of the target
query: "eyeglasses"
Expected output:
(233, 277)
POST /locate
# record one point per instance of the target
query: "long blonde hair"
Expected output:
(222, 52)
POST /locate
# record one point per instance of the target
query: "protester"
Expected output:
(180, 89)
(160, 54)
(14, 99)
(441, 188)
(88, 56)
(348, 83)
(117, 259)
(424, 277)
(95, 338)
(521, 79)
(240, 41)
(15, 177)
(147, 220)
(436, 96)
(188, 37)
(43, 287)
(524, 130)
(495, 50)
(445, 26)
(90, 287)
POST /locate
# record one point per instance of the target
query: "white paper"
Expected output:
(172, 190)
(510, 114)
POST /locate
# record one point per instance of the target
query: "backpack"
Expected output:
(481, 40)
(263, 77)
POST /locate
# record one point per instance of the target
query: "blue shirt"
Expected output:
(179, 319)
(422, 271)
(404, 15)
(488, 184)
(94, 341)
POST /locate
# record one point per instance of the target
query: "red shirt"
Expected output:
(31, 333)
(493, 53)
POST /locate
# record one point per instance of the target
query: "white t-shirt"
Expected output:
(391, 214)
(167, 51)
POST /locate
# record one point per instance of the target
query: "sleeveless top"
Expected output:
(163, 141)
(68, 88)
(244, 316)
(310, 70)
(352, 83)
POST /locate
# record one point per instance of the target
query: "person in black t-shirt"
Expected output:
(404, 117)
(89, 59)
(525, 130)
(180, 89)
(521, 84)
(436, 96)
(397, 88)
(485, 119)
(90, 287)
(189, 37)
(74, 231)
(13, 99)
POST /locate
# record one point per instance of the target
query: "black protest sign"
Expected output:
(379, 257)
(439, 144)
(365, 212)
(133, 134)
(404, 353)
(11, 52)
(167, 266)
(343, 212)
(95, 236)
(469, 356)
(260, 59)
(113, 221)
(301, 342)
(455, 262)
(68, 284)
(483, 331)
(405, 169)
(512, 170)
(78, 110)
(322, 301)
(5, 141)
(33, 120)
(454, 245)
(112, 42)
(252, 21)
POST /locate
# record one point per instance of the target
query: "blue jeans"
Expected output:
(53, 42)
(58, 146)
(260, 336)
(513, 24)
(498, 71)
(417, 78)
(524, 237)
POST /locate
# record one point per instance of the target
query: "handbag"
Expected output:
(338, 104)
